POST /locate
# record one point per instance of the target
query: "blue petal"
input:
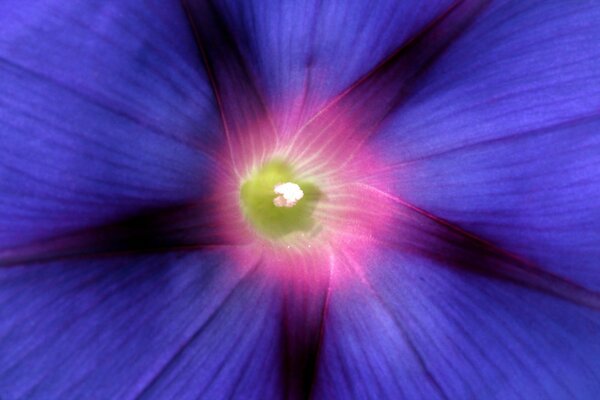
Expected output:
(500, 137)
(305, 52)
(105, 108)
(413, 328)
(183, 325)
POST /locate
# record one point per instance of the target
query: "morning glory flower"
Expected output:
(299, 199)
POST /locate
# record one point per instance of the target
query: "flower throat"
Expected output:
(276, 203)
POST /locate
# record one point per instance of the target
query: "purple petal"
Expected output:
(105, 109)
(247, 126)
(306, 293)
(416, 329)
(355, 114)
(180, 325)
(156, 230)
(415, 231)
(305, 52)
(500, 136)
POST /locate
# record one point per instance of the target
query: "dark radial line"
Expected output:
(357, 113)
(211, 75)
(304, 313)
(241, 105)
(553, 128)
(22, 259)
(321, 337)
(183, 227)
(381, 89)
(92, 98)
(466, 250)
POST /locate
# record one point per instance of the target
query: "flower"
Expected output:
(444, 245)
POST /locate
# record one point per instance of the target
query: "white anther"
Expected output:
(289, 194)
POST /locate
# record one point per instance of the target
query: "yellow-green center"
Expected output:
(276, 203)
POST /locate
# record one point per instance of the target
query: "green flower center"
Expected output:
(276, 203)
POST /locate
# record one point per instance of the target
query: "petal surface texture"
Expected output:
(106, 114)
(416, 329)
(303, 53)
(501, 135)
(465, 130)
(182, 325)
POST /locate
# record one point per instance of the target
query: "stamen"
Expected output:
(289, 194)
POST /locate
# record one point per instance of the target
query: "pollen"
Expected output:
(289, 194)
